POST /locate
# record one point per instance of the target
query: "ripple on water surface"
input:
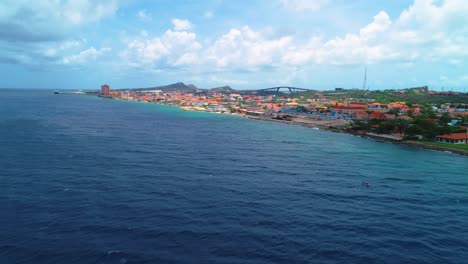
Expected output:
(86, 180)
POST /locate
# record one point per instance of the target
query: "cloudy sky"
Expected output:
(319, 44)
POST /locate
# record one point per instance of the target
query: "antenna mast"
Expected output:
(364, 85)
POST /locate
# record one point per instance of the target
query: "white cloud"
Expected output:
(303, 5)
(363, 48)
(439, 29)
(189, 58)
(304, 54)
(84, 11)
(243, 49)
(173, 48)
(406, 40)
(147, 52)
(144, 16)
(60, 48)
(84, 56)
(181, 24)
(380, 24)
(213, 79)
(49, 20)
(246, 48)
(41, 54)
(426, 31)
(69, 11)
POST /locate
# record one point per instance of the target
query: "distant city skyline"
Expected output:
(315, 44)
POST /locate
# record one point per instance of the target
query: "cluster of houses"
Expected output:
(273, 105)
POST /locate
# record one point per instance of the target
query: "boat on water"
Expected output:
(105, 96)
(79, 92)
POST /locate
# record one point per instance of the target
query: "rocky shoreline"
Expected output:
(439, 148)
(339, 126)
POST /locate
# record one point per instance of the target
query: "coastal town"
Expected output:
(432, 123)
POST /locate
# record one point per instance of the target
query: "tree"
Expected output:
(302, 109)
(429, 129)
(385, 128)
(414, 130)
(426, 110)
(232, 109)
(394, 112)
(445, 118)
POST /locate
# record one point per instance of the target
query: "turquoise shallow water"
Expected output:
(89, 180)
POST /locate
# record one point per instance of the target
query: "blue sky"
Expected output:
(317, 44)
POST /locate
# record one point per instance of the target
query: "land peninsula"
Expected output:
(412, 116)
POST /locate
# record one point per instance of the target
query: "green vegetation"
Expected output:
(302, 109)
(232, 109)
(446, 145)
(427, 125)
(384, 126)
(428, 129)
(388, 96)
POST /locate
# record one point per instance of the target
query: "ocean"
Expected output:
(91, 180)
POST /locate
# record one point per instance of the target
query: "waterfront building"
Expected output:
(378, 107)
(105, 90)
(349, 109)
(455, 138)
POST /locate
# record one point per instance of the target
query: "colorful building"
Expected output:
(455, 138)
(105, 90)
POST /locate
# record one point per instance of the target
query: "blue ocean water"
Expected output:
(90, 180)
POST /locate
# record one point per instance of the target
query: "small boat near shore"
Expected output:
(79, 92)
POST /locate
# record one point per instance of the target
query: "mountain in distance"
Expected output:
(179, 86)
(182, 87)
(222, 89)
(191, 86)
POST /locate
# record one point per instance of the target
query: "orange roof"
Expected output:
(376, 114)
(396, 105)
(404, 117)
(455, 136)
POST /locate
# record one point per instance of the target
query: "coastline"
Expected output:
(332, 125)
(410, 143)
(417, 144)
